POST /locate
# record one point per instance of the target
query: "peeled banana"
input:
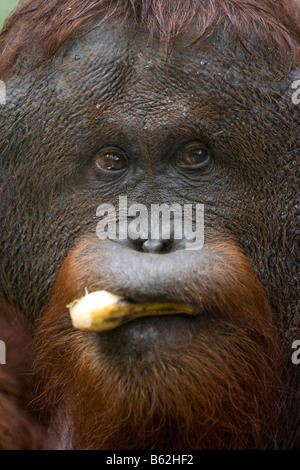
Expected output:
(102, 311)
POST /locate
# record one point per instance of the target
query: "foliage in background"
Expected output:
(6, 6)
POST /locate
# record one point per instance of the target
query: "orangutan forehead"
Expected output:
(122, 74)
(122, 67)
(112, 55)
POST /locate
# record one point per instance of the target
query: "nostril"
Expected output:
(158, 246)
(153, 246)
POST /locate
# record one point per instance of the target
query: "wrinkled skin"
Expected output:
(106, 91)
(112, 88)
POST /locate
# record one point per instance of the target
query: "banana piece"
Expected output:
(102, 311)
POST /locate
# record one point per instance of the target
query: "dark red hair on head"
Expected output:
(54, 21)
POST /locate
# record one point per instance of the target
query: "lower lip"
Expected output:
(148, 335)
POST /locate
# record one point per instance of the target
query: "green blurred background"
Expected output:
(6, 6)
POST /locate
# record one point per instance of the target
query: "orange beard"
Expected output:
(19, 429)
(213, 382)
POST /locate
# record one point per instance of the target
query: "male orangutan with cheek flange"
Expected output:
(183, 107)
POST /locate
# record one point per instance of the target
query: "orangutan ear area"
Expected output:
(149, 226)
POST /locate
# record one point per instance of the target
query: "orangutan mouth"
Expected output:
(102, 311)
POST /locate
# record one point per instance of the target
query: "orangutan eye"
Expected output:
(194, 157)
(111, 160)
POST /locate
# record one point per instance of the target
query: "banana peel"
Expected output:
(103, 311)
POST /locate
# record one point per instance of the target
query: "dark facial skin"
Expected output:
(209, 381)
(110, 90)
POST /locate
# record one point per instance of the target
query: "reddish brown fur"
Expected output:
(53, 22)
(220, 389)
(224, 388)
(18, 430)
